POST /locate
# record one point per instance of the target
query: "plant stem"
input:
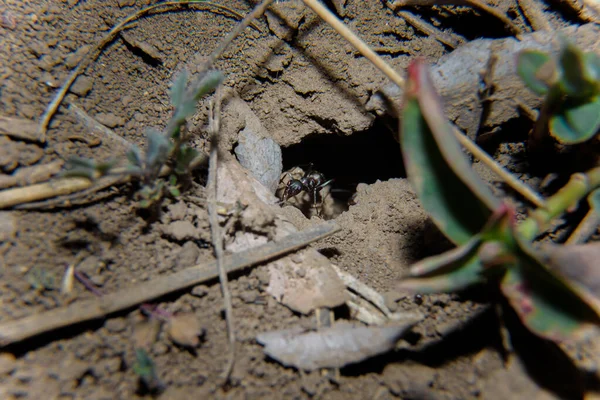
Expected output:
(567, 197)
(215, 228)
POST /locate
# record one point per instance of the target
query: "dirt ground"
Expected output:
(309, 89)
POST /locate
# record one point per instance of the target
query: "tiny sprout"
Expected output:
(145, 369)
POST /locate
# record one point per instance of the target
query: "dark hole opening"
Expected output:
(363, 157)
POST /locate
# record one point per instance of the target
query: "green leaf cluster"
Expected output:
(571, 86)
(167, 148)
(490, 248)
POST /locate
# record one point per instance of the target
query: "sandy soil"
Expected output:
(309, 89)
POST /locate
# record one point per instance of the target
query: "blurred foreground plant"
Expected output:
(168, 148)
(571, 86)
(554, 294)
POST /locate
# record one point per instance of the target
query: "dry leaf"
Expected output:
(577, 263)
(335, 347)
(306, 281)
(185, 330)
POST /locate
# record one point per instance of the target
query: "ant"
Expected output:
(311, 182)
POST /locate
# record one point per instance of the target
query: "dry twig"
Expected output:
(87, 310)
(478, 4)
(384, 67)
(215, 228)
(586, 228)
(535, 15)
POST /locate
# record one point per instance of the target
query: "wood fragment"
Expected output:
(87, 310)
(75, 188)
(40, 191)
(31, 175)
(20, 128)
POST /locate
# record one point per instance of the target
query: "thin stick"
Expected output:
(100, 45)
(517, 185)
(87, 310)
(449, 39)
(586, 228)
(366, 51)
(535, 15)
(215, 229)
(40, 191)
(74, 187)
(255, 14)
(478, 4)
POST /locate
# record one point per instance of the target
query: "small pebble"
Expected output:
(81, 86)
(199, 291)
(116, 324)
(7, 363)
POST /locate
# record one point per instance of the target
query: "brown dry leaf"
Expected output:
(577, 263)
(306, 281)
(185, 330)
(342, 344)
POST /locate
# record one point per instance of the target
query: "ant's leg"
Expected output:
(319, 208)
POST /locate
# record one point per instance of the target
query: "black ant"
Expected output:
(311, 182)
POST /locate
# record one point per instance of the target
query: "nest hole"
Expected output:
(362, 157)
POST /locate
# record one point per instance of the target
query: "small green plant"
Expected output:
(571, 86)
(166, 151)
(555, 296)
(145, 369)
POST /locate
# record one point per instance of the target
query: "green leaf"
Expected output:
(174, 191)
(529, 68)
(458, 201)
(485, 255)
(84, 163)
(548, 305)
(577, 78)
(88, 168)
(178, 89)
(592, 71)
(173, 187)
(576, 122)
(134, 156)
(594, 201)
(207, 84)
(145, 369)
(185, 156)
(454, 270)
(198, 89)
(104, 168)
(158, 149)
